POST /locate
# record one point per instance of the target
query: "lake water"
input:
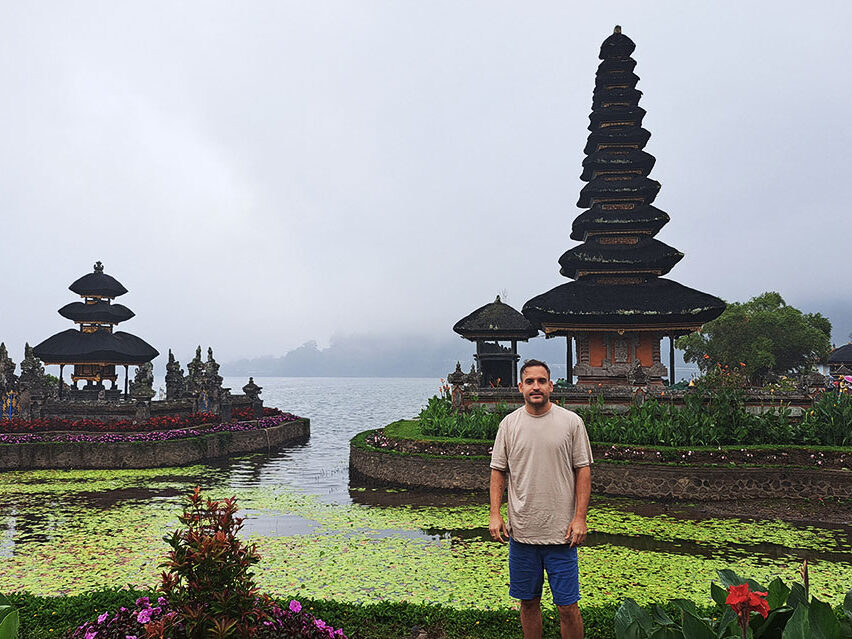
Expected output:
(71, 531)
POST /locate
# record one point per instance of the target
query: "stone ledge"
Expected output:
(173, 452)
(654, 481)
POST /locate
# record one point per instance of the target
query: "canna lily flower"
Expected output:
(743, 602)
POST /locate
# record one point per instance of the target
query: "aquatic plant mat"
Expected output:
(70, 532)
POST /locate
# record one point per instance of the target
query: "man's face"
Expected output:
(535, 385)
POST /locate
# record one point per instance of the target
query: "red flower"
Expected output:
(743, 602)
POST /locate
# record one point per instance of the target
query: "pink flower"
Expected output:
(103, 617)
(295, 606)
(319, 623)
(91, 634)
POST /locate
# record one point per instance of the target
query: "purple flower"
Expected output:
(103, 617)
(143, 601)
(144, 616)
(295, 606)
(129, 636)
(319, 623)
(91, 634)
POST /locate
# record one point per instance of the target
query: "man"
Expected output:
(543, 450)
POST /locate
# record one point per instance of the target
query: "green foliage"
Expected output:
(440, 418)
(764, 334)
(716, 415)
(829, 420)
(9, 619)
(792, 614)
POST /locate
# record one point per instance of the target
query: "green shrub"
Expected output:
(440, 419)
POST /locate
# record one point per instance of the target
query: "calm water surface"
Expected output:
(339, 408)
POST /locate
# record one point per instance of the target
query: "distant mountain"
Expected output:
(362, 356)
(400, 356)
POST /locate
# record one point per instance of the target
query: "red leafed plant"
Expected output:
(744, 601)
(208, 582)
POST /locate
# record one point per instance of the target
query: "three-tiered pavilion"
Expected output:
(95, 348)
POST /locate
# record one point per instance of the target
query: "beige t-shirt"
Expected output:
(539, 453)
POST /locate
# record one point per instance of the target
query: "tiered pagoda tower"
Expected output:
(95, 349)
(619, 307)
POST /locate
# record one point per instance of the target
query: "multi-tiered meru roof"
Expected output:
(95, 342)
(618, 266)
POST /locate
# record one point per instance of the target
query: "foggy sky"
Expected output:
(262, 174)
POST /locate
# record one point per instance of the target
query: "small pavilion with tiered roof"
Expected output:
(619, 307)
(95, 348)
(488, 326)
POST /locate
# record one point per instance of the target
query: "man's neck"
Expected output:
(537, 410)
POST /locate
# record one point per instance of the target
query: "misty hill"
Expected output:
(385, 356)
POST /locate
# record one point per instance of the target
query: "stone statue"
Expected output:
(33, 377)
(195, 377)
(636, 375)
(142, 385)
(175, 382)
(212, 379)
(8, 379)
(252, 390)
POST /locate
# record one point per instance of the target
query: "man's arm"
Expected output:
(497, 527)
(577, 530)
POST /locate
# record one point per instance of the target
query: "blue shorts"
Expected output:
(527, 563)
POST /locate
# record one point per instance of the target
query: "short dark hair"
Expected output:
(534, 362)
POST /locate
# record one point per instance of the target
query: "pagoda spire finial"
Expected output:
(99, 267)
(617, 29)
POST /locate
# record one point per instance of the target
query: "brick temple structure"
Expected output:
(619, 307)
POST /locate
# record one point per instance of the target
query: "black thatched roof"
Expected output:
(496, 320)
(98, 284)
(603, 98)
(617, 135)
(75, 347)
(645, 219)
(100, 311)
(657, 301)
(841, 355)
(629, 187)
(617, 45)
(615, 160)
(646, 256)
(601, 119)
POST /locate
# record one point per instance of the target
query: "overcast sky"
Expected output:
(259, 174)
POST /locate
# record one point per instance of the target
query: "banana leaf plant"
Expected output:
(744, 610)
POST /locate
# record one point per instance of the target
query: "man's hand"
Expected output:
(497, 528)
(577, 532)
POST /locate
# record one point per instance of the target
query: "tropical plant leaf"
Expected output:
(778, 592)
(847, 605)
(10, 624)
(797, 596)
(666, 632)
(798, 626)
(687, 606)
(729, 578)
(774, 624)
(727, 624)
(631, 631)
(823, 621)
(718, 593)
(660, 615)
(696, 628)
(628, 613)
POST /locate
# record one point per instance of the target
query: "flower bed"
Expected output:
(243, 413)
(161, 423)
(146, 436)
